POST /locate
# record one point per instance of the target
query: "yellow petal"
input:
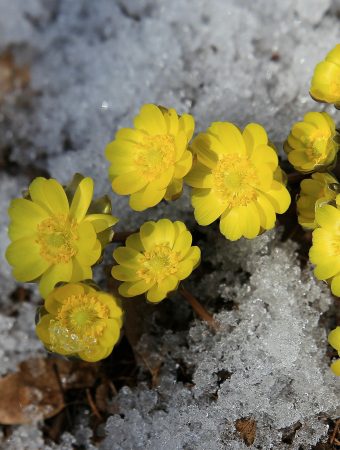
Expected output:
(94, 354)
(24, 255)
(165, 233)
(156, 294)
(250, 220)
(171, 119)
(82, 199)
(42, 329)
(62, 293)
(335, 367)
(132, 289)
(187, 123)
(230, 224)
(129, 134)
(335, 285)
(334, 337)
(181, 143)
(184, 269)
(266, 212)
(128, 256)
(81, 271)
(24, 211)
(264, 154)
(199, 176)
(183, 243)
(201, 146)
(183, 166)
(174, 190)
(150, 119)
(230, 137)
(135, 242)
(101, 222)
(50, 195)
(194, 255)
(122, 273)
(54, 275)
(279, 197)
(128, 183)
(254, 135)
(208, 207)
(147, 234)
(328, 217)
(148, 197)
(327, 269)
(111, 333)
(116, 311)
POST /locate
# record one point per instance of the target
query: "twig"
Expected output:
(198, 308)
(93, 405)
(333, 438)
(60, 384)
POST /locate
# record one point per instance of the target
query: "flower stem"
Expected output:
(198, 308)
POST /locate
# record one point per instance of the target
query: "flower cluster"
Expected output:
(58, 233)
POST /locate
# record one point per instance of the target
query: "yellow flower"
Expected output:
(334, 341)
(155, 260)
(150, 161)
(80, 321)
(315, 192)
(325, 85)
(325, 251)
(311, 144)
(53, 238)
(236, 176)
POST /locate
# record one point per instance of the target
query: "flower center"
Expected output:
(56, 236)
(158, 263)
(155, 154)
(78, 323)
(235, 179)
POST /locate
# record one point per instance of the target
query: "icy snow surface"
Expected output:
(92, 65)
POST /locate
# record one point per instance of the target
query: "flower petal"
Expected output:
(208, 207)
(150, 119)
(82, 199)
(230, 224)
(50, 195)
(54, 275)
(132, 289)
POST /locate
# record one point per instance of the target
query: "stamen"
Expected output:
(235, 180)
(159, 263)
(56, 236)
(155, 154)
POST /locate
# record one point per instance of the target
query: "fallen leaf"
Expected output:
(247, 430)
(31, 394)
(12, 76)
(36, 390)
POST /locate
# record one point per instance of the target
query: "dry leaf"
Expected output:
(35, 391)
(247, 430)
(12, 76)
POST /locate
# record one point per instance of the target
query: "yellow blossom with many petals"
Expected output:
(54, 238)
(149, 161)
(325, 251)
(325, 85)
(315, 192)
(236, 177)
(155, 260)
(334, 341)
(79, 321)
(311, 144)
